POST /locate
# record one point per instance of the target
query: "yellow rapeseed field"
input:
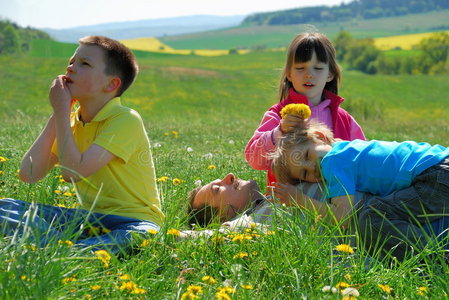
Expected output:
(152, 44)
(405, 42)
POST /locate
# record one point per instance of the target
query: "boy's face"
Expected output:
(85, 75)
(304, 162)
(229, 195)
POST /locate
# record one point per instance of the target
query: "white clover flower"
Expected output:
(189, 149)
(208, 155)
(350, 292)
(231, 142)
(198, 182)
(326, 289)
(157, 145)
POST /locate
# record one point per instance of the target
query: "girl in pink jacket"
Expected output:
(311, 76)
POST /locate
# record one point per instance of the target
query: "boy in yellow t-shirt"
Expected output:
(102, 148)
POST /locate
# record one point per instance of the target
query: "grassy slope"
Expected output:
(280, 36)
(214, 104)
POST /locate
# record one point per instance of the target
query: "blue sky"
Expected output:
(66, 14)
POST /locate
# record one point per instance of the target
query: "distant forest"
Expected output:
(16, 39)
(357, 9)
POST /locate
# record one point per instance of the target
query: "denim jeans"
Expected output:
(45, 224)
(408, 218)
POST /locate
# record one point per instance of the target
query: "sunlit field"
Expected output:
(404, 42)
(200, 112)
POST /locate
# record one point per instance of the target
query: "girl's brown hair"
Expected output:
(301, 50)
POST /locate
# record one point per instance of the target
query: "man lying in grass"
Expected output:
(102, 148)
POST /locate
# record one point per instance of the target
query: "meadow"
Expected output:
(199, 113)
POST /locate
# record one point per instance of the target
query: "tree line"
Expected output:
(360, 9)
(16, 39)
(363, 55)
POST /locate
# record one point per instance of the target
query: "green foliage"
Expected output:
(365, 9)
(213, 104)
(15, 39)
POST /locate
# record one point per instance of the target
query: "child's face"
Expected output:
(85, 75)
(309, 78)
(304, 162)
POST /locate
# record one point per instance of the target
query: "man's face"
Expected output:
(229, 195)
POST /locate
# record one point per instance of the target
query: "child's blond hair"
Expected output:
(292, 147)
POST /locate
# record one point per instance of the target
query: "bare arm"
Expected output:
(74, 164)
(39, 159)
(337, 211)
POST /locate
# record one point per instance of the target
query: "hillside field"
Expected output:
(200, 113)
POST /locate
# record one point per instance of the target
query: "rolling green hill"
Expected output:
(280, 36)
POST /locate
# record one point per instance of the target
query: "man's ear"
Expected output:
(322, 136)
(113, 85)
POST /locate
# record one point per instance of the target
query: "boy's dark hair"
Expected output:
(203, 215)
(119, 60)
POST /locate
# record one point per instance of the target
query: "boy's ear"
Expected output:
(113, 85)
(322, 136)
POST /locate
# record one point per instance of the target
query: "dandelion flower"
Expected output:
(222, 296)
(174, 232)
(247, 286)
(68, 194)
(240, 255)
(103, 256)
(226, 289)
(422, 290)
(1, 173)
(212, 167)
(95, 287)
(125, 277)
(195, 289)
(58, 192)
(189, 296)
(349, 298)
(301, 110)
(68, 279)
(344, 248)
(66, 242)
(162, 179)
(152, 231)
(3, 159)
(342, 285)
(176, 181)
(208, 279)
(145, 243)
(385, 288)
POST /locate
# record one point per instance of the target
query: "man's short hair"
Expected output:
(119, 59)
(203, 215)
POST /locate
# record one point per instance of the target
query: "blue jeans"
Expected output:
(45, 224)
(413, 216)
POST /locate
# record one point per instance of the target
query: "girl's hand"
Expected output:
(290, 122)
(286, 193)
(60, 96)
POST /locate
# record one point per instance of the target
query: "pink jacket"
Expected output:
(266, 136)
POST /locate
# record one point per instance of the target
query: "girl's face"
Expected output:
(304, 162)
(309, 78)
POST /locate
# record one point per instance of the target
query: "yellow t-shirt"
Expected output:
(126, 186)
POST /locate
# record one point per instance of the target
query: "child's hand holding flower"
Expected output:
(293, 116)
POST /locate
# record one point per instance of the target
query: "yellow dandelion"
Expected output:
(103, 256)
(66, 242)
(189, 296)
(208, 279)
(422, 290)
(137, 291)
(125, 277)
(68, 279)
(174, 232)
(270, 232)
(145, 243)
(348, 277)
(240, 255)
(25, 278)
(344, 248)
(61, 180)
(68, 194)
(176, 181)
(218, 239)
(195, 289)
(128, 286)
(166, 133)
(175, 134)
(238, 238)
(247, 286)
(342, 285)
(60, 205)
(301, 110)
(3, 159)
(152, 231)
(385, 288)
(349, 298)
(212, 167)
(1, 173)
(226, 289)
(58, 192)
(30, 247)
(222, 296)
(162, 179)
(95, 287)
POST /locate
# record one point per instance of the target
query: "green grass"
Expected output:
(214, 103)
(281, 36)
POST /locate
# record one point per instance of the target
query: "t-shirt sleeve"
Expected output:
(121, 135)
(339, 176)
